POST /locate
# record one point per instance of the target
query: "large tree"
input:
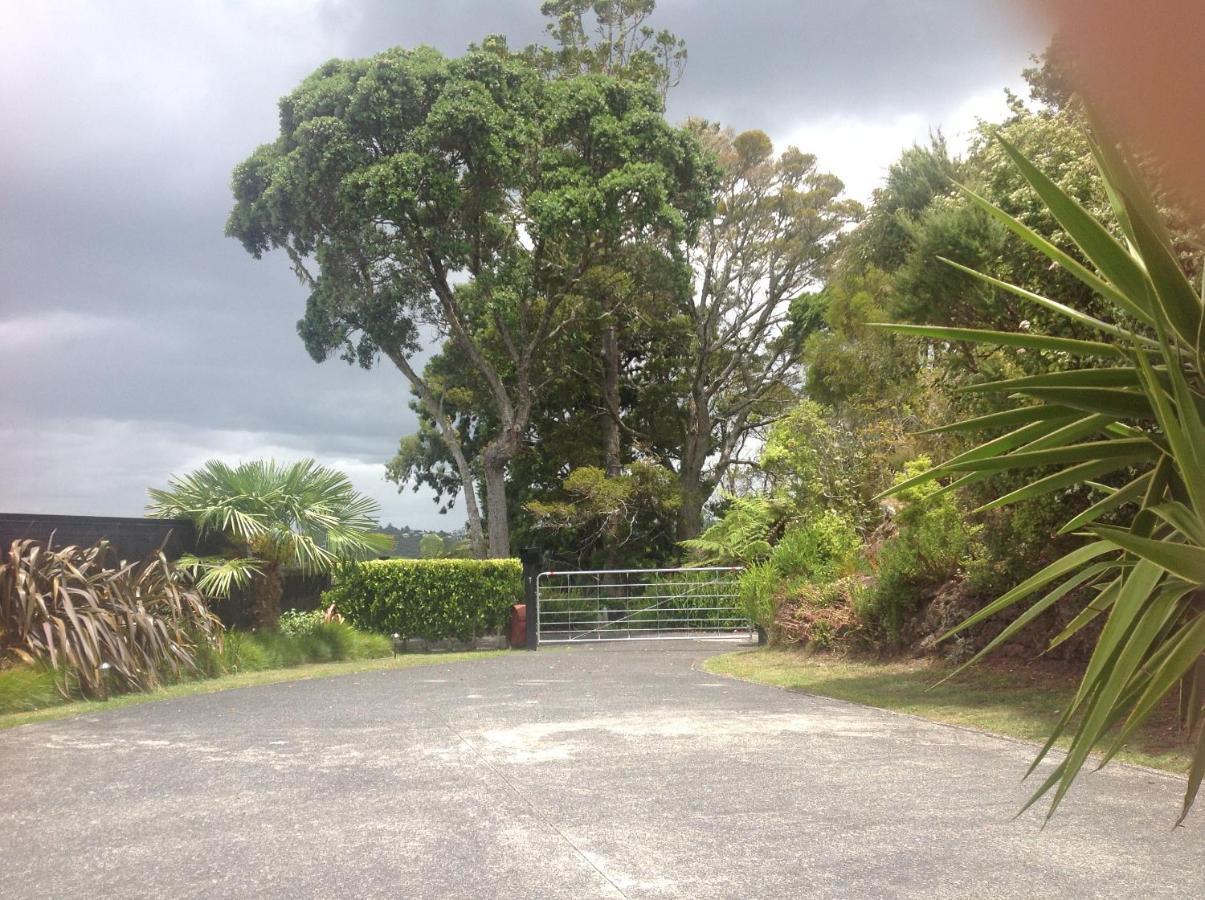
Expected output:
(613, 37)
(473, 195)
(776, 220)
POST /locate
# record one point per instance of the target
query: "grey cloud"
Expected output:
(756, 63)
(137, 336)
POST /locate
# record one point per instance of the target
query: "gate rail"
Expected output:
(639, 604)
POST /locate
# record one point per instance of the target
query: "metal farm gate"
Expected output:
(639, 604)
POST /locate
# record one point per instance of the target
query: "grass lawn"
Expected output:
(243, 679)
(1017, 699)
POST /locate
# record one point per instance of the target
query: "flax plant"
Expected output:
(101, 625)
(1130, 407)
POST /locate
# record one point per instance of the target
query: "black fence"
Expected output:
(135, 538)
(131, 538)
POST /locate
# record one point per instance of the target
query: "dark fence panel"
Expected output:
(134, 538)
(131, 538)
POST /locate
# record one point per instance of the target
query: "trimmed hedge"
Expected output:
(429, 598)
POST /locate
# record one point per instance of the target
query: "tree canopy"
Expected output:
(472, 196)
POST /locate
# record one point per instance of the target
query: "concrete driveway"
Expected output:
(614, 771)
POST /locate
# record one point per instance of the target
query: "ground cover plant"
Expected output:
(1018, 698)
(80, 623)
(24, 712)
(307, 640)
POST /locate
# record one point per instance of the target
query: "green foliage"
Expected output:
(819, 548)
(847, 362)
(921, 174)
(758, 586)
(25, 687)
(628, 46)
(1141, 415)
(101, 625)
(304, 637)
(778, 221)
(742, 535)
(822, 461)
(437, 546)
(300, 515)
(933, 542)
(430, 598)
(474, 193)
(406, 540)
(296, 622)
(431, 546)
(608, 519)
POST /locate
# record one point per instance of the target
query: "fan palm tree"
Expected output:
(272, 517)
(1133, 408)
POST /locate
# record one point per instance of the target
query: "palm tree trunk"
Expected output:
(266, 592)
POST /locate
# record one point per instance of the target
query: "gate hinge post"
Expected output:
(531, 558)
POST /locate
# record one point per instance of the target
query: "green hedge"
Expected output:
(429, 598)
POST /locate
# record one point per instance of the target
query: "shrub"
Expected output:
(820, 548)
(429, 598)
(318, 641)
(24, 687)
(296, 622)
(99, 625)
(758, 585)
(744, 533)
(823, 615)
(932, 543)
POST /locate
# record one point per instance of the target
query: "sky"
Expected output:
(137, 341)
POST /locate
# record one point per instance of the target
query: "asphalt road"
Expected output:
(616, 771)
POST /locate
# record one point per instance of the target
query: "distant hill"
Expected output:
(406, 539)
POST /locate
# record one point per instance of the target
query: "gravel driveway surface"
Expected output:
(611, 771)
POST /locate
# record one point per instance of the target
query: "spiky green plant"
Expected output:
(1134, 406)
(100, 625)
(272, 517)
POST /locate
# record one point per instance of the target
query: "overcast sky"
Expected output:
(137, 341)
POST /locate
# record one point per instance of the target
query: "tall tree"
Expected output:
(613, 37)
(471, 193)
(619, 41)
(776, 221)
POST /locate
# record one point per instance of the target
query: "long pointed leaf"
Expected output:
(1041, 342)
(1120, 497)
(1184, 560)
(1065, 260)
(1059, 480)
(1100, 247)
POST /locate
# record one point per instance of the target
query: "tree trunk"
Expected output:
(468, 484)
(612, 459)
(690, 513)
(695, 445)
(451, 439)
(495, 503)
(266, 592)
